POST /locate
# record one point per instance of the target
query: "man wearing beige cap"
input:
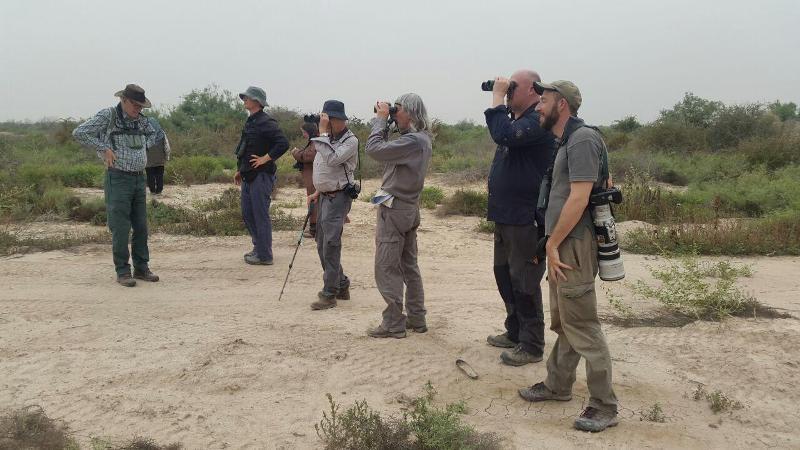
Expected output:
(572, 263)
(121, 136)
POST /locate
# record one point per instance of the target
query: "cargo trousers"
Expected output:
(333, 208)
(573, 316)
(396, 266)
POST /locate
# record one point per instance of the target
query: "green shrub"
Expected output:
(644, 200)
(485, 226)
(31, 428)
(229, 199)
(199, 169)
(431, 196)
(467, 203)
(777, 234)
(701, 290)
(92, 211)
(159, 214)
(425, 427)
(654, 414)
(73, 175)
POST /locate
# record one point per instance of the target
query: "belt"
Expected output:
(125, 172)
(331, 193)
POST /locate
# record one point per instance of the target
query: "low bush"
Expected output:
(424, 427)
(199, 169)
(31, 428)
(466, 203)
(431, 196)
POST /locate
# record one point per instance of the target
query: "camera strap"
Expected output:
(358, 161)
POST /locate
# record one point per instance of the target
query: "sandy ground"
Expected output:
(210, 358)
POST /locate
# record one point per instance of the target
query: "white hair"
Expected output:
(412, 104)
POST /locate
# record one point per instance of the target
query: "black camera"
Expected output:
(488, 85)
(392, 109)
(352, 190)
(311, 118)
(605, 196)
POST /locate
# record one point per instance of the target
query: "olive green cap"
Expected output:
(567, 89)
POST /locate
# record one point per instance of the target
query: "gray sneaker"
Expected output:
(519, 357)
(253, 259)
(326, 301)
(126, 280)
(250, 253)
(540, 393)
(596, 420)
(380, 332)
(501, 340)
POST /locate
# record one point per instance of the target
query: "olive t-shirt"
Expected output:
(577, 160)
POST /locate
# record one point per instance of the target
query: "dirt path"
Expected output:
(210, 358)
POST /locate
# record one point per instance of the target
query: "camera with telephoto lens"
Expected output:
(311, 118)
(605, 227)
(488, 85)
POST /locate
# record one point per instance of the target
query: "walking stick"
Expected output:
(299, 241)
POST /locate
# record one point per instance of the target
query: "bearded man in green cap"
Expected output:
(121, 135)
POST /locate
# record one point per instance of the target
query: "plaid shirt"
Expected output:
(95, 133)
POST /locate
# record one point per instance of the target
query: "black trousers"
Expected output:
(519, 282)
(155, 179)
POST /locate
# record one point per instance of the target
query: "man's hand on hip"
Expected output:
(109, 157)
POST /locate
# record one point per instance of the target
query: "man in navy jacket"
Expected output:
(524, 151)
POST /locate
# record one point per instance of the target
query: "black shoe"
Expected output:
(126, 280)
(380, 332)
(343, 293)
(145, 275)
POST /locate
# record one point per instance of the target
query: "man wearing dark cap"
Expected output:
(121, 136)
(261, 144)
(523, 151)
(334, 168)
(572, 263)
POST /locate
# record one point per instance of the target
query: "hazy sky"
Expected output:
(67, 58)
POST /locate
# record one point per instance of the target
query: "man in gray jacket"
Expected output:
(407, 159)
(334, 167)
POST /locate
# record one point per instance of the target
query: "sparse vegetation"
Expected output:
(31, 428)
(11, 243)
(424, 427)
(718, 401)
(485, 226)
(653, 414)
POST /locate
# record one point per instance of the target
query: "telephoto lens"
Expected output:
(608, 255)
(311, 118)
(392, 110)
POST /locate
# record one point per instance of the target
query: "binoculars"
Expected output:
(488, 85)
(311, 118)
(392, 109)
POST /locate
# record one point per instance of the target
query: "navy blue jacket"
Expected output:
(261, 135)
(523, 154)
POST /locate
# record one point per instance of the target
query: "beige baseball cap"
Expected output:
(567, 89)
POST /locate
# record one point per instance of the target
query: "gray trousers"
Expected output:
(330, 222)
(396, 265)
(573, 315)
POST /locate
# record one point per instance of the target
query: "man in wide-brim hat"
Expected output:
(121, 135)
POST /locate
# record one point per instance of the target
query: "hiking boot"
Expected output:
(126, 280)
(326, 301)
(519, 357)
(501, 340)
(250, 253)
(380, 332)
(343, 293)
(254, 260)
(596, 420)
(145, 275)
(540, 393)
(417, 329)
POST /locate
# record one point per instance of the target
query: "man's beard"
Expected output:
(550, 119)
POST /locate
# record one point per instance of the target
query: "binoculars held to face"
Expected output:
(488, 85)
(392, 109)
(311, 118)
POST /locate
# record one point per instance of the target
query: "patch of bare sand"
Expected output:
(210, 358)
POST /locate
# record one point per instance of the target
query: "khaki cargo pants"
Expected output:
(396, 265)
(573, 315)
